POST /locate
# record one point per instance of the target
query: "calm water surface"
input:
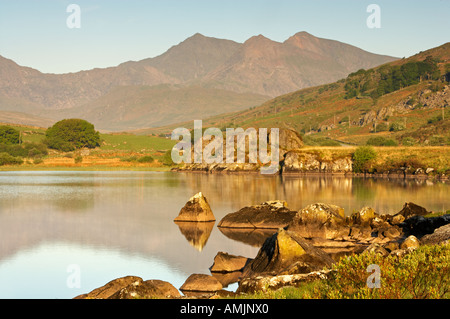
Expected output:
(113, 224)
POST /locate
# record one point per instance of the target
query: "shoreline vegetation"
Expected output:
(27, 148)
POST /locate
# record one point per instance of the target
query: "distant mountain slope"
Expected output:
(414, 104)
(259, 67)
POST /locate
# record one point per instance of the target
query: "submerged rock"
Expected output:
(196, 210)
(268, 215)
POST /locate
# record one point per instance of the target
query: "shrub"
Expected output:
(78, 159)
(396, 127)
(145, 159)
(167, 158)
(9, 136)
(7, 159)
(363, 159)
(71, 134)
(423, 273)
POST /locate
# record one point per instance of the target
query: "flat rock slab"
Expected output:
(224, 262)
(200, 283)
(268, 215)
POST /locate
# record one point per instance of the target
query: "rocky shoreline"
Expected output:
(296, 247)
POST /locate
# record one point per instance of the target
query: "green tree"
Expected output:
(9, 136)
(70, 134)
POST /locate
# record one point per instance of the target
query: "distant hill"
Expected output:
(405, 100)
(232, 76)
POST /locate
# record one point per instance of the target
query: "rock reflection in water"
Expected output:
(253, 237)
(196, 233)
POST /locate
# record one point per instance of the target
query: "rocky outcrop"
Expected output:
(132, 287)
(268, 215)
(296, 161)
(196, 210)
(287, 253)
(321, 221)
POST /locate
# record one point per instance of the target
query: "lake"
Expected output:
(103, 225)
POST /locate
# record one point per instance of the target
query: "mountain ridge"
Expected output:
(259, 67)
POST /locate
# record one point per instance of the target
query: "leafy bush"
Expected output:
(7, 159)
(25, 150)
(71, 134)
(9, 136)
(396, 127)
(363, 159)
(78, 159)
(423, 273)
(167, 158)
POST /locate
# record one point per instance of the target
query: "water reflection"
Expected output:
(131, 214)
(196, 233)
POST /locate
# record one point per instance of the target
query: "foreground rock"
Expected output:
(266, 283)
(287, 253)
(320, 221)
(439, 236)
(199, 284)
(224, 262)
(268, 215)
(196, 210)
(133, 287)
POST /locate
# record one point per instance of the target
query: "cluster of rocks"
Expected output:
(302, 247)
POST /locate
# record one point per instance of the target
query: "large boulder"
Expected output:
(111, 288)
(287, 253)
(440, 235)
(133, 287)
(268, 215)
(149, 289)
(321, 221)
(364, 216)
(196, 210)
(411, 242)
(420, 226)
(411, 209)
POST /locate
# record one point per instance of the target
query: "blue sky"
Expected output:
(34, 33)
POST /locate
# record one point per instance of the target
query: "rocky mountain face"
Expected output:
(259, 67)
